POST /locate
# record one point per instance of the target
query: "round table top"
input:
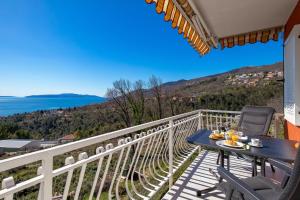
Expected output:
(274, 148)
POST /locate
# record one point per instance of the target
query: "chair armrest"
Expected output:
(288, 168)
(238, 184)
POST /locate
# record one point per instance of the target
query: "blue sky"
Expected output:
(83, 46)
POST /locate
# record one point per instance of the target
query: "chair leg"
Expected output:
(228, 163)
(254, 168)
(263, 167)
(218, 160)
(284, 181)
(272, 168)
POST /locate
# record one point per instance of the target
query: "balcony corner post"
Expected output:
(171, 143)
(199, 127)
(200, 120)
(277, 125)
(47, 165)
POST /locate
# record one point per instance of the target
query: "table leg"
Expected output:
(201, 192)
(222, 155)
(254, 167)
(263, 166)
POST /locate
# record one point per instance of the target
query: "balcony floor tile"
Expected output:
(197, 177)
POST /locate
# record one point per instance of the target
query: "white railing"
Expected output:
(134, 162)
(214, 119)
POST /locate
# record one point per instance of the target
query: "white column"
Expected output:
(47, 171)
(200, 121)
(171, 143)
(291, 77)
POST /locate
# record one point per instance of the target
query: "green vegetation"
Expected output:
(236, 98)
(131, 104)
(134, 103)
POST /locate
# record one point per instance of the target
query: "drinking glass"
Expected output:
(235, 137)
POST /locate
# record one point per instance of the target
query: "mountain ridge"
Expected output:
(247, 69)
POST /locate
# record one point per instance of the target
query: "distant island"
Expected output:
(16, 105)
(64, 95)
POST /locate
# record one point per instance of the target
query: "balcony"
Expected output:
(148, 161)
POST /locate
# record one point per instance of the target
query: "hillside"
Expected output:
(257, 69)
(226, 91)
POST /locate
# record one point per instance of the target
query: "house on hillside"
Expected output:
(270, 75)
(67, 138)
(280, 74)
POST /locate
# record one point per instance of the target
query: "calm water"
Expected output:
(13, 105)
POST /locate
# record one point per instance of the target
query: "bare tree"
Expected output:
(129, 99)
(136, 99)
(171, 100)
(117, 94)
(155, 85)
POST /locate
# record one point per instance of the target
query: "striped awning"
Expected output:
(181, 19)
(252, 37)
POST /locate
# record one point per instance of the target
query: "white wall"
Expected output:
(292, 77)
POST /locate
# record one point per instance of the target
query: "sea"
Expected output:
(14, 105)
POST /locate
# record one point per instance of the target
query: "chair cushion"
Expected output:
(262, 185)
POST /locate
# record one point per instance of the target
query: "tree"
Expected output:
(155, 84)
(172, 99)
(136, 99)
(129, 99)
(117, 94)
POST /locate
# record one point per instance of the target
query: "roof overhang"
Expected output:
(229, 22)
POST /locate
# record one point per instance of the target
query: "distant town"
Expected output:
(252, 79)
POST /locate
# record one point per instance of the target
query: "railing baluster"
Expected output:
(211, 122)
(69, 160)
(216, 119)
(47, 165)
(127, 140)
(41, 188)
(171, 142)
(108, 147)
(98, 151)
(199, 122)
(81, 156)
(120, 142)
(276, 126)
(133, 165)
(6, 184)
(147, 158)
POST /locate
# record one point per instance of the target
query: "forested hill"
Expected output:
(228, 91)
(253, 69)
